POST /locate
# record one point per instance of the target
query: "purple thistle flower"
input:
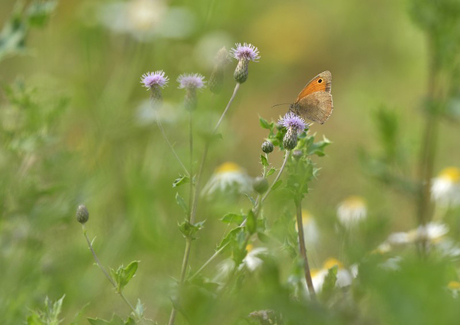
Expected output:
(290, 120)
(245, 52)
(191, 81)
(154, 79)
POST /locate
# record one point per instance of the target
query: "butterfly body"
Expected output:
(315, 100)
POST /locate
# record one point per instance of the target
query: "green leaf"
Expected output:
(251, 223)
(318, 147)
(116, 320)
(329, 282)
(189, 230)
(232, 235)
(123, 275)
(181, 180)
(264, 160)
(271, 171)
(181, 202)
(264, 124)
(232, 218)
(263, 238)
(139, 310)
(38, 13)
(277, 184)
(48, 316)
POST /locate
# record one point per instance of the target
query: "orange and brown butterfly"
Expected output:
(315, 100)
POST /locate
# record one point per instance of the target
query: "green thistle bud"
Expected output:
(260, 185)
(267, 147)
(290, 139)
(190, 99)
(241, 71)
(217, 76)
(82, 214)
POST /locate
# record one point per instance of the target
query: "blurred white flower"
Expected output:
(344, 277)
(454, 287)
(351, 211)
(392, 264)
(146, 19)
(252, 260)
(445, 188)
(310, 229)
(146, 114)
(228, 177)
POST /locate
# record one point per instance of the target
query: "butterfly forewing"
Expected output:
(321, 82)
(316, 107)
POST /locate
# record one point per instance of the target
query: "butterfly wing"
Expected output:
(316, 107)
(321, 82)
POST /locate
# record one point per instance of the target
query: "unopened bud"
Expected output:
(260, 185)
(217, 76)
(290, 139)
(241, 71)
(267, 146)
(82, 214)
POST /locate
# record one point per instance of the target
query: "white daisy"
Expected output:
(445, 188)
(228, 177)
(351, 211)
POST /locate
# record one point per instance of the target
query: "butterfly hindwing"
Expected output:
(316, 107)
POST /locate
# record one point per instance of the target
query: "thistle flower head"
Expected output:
(292, 121)
(191, 81)
(247, 52)
(154, 79)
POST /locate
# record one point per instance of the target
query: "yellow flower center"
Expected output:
(451, 174)
(354, 202)
(331, 262)
(314, 272)
(249, 247)
(228, 167)
(454, 285)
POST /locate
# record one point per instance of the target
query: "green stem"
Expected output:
(111, 280)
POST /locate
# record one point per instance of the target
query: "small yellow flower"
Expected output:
(454, 285)
(331, 262)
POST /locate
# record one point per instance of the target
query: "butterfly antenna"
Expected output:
(281, 104)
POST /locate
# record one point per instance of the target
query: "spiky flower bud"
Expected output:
(267, 147)
(290, 139)
(82, 214)
(244, 53)
(217, 76)
(260, 185)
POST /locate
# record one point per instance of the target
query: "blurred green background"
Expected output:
(73, 133)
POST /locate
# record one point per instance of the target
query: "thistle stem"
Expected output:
(195, 195)
(303, 250)
(112, 282)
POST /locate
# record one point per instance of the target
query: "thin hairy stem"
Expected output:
(160, 126)
(194, 193)
(209, 260)
(191, 163)
(303, 250)
(112, 282)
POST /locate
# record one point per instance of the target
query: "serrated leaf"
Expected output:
(264, 124)
(251, 223)
(181, 202)
(181, 181)
(123, 275)
(263, 161)
(317, 148)
(116, 320)
(271, 171)
(329, 282)
(230, 236)
(232, 218)
(189, 230)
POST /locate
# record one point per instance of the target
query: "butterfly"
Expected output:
(315, 100)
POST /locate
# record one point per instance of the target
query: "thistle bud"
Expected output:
(244, 53)
(217, 76)
(191, 82)
(267, 147)
(290, 139)
(260, 185)
(82, 214)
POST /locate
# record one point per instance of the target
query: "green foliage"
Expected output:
(123, 275)
(49, 316)
(116, 320)
(189, 230)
